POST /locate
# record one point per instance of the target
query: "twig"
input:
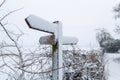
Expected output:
(2, 3)
(9, 14)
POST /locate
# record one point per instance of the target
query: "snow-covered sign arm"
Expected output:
(69, 40)
(50, 40)
(37, 23)
(47, 40)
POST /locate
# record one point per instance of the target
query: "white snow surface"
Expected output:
(112, 66)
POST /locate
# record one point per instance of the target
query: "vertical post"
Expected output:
(55, 61)
(60, 55)
(57, 72)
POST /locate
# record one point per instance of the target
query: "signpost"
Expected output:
(56, 40)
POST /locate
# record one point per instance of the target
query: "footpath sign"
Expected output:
(56, 39)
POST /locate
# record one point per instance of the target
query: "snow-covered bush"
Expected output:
(83, 65)
(107, 42)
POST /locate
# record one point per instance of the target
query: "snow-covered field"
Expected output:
(112, 66)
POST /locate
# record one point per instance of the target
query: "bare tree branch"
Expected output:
(2, 3)
(9, 14)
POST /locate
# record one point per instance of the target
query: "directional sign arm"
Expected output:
(69, 40)
(50, 39)
(47, 40)
(37, 23)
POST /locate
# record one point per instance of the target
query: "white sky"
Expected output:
(80, 17)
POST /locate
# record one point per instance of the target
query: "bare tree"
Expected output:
(116, 9)
(18, 63)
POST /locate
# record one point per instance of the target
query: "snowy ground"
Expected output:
(112, 66)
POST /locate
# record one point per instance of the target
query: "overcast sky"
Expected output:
(80, 18)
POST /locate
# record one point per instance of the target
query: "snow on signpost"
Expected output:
(56, 40)
(49, 40)
(41, 24)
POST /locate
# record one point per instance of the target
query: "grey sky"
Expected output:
(80, 17)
